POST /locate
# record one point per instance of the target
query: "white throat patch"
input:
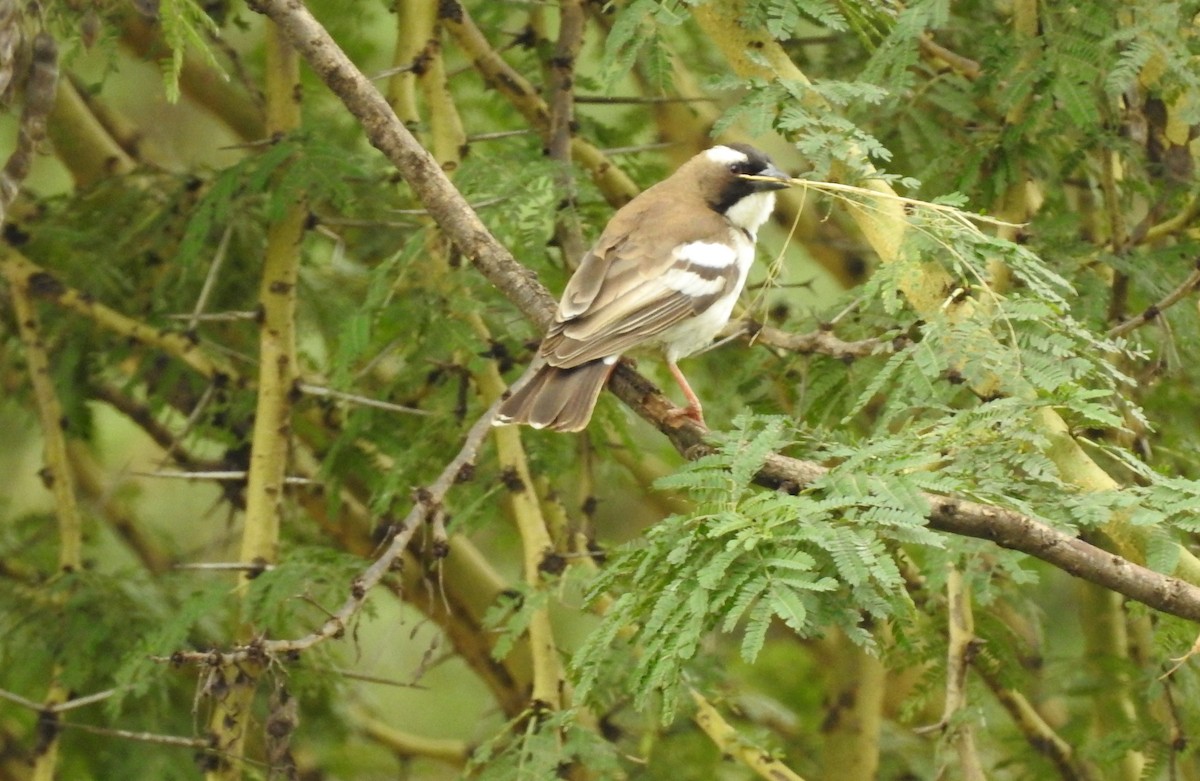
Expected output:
(752, 211)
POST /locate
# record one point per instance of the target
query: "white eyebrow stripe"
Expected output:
(689, 283)
(706, 253)
(725, 155)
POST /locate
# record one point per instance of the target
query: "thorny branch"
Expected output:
(428, 501)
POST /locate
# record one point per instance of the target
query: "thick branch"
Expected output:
(44, 285)
(732, 744)
(820, 342)
(56, 472)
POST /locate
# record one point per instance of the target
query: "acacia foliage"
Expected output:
(1075, 124)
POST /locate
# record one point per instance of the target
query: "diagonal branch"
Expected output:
(427, 502)
(1152, 312)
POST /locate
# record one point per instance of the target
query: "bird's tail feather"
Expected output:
(557, 399)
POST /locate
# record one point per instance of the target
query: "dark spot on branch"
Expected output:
(527, 38)
(611, 731)
(552, 563)
(598, 554)
(466, 473)
(258, 565)
(44, 285)
(208, 763)
(1151, 313)
(511, 480)
(507, 83)
(856, 267)
(280, 287)
(383, 531)
(420, 63)
(450, 10)
(14, 236)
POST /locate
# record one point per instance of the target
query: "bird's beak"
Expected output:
(770, 178)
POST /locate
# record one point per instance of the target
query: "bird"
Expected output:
(665, 273)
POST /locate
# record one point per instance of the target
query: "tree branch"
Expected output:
(43, 284)
(731, 744)
(612, 181)
(56, 472)
(1152, 312)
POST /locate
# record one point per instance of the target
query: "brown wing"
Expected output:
(645, 274)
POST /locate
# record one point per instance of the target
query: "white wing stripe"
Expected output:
(709, 254)
(689, 283)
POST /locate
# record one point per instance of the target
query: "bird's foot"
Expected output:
(679, 415)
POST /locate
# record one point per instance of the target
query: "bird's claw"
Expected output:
(677, 416)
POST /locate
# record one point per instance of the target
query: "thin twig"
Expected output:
(225, 566)
(1185, 288)
(210, 279)
(498, 134)
(219, 476)
(17, 699)
(215, 317)
(635, 148)
(640, 99)
(141, 737)
(60, 707)
(362, 401)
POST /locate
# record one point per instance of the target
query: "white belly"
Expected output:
(697, 332)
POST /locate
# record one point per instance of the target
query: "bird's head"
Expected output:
(738, 181)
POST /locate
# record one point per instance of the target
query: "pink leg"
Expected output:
(693, 409)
